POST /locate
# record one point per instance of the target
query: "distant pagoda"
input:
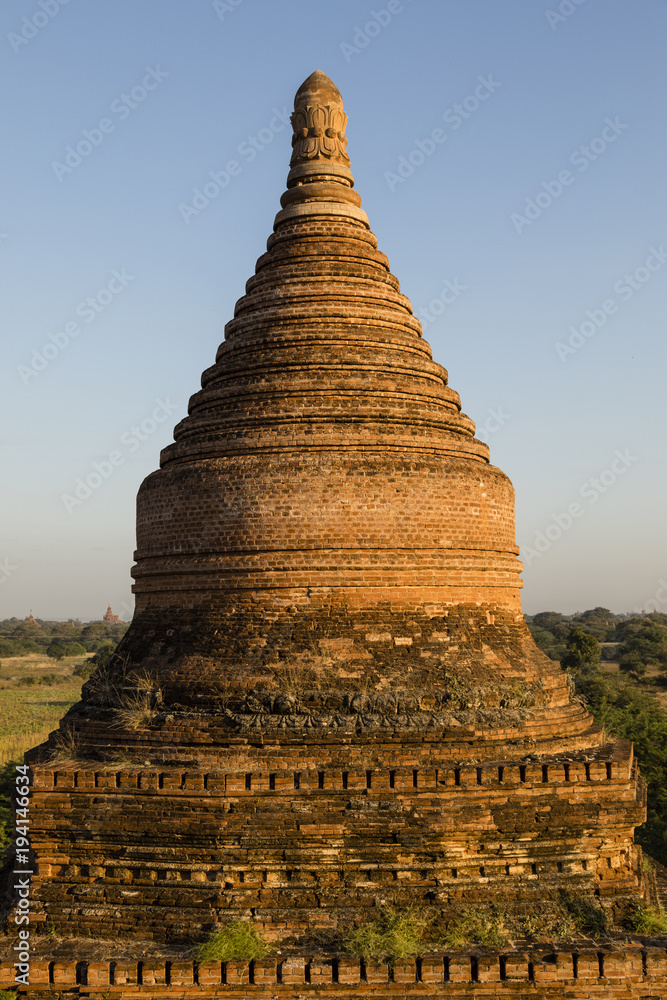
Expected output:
(110, 617)
(334, 704)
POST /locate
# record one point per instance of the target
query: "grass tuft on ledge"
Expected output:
(239, 941)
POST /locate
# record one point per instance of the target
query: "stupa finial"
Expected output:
(319, 122)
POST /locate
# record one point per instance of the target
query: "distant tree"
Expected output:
(102, 632)
(636, 623)
(554, 622)
(632, 663)
(85, 669)
(582, 654)
(104, 651)
(547, 643)
(543, 638)
(647, 646)
(59, 649)
(599, 622)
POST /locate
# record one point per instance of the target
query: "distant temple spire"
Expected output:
(111, 617)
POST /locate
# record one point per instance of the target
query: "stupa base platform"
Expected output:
(310, 840)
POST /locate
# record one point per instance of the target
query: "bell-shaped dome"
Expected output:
(326, 505)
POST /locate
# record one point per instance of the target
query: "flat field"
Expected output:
(35, 693)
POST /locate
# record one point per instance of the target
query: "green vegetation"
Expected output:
(238, 940)
(582, 653)
(392, 935)
(632, 714)
(643, 647)
(557, 926)
(19, 637)
(648, 920)
(42, 666)
(587, 916)
(476, 926)
(59, 649)
(399, 934)
(41, 672)
(624, 704)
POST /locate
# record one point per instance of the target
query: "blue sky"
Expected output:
(543, 207)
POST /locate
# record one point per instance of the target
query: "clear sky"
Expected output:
(532, 229)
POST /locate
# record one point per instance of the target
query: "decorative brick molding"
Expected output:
(578, 773)
(334, 700)
(582, 974)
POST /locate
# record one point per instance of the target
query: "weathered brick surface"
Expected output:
(321, 842)
(621, 973)
(344, 707)
(325, 504)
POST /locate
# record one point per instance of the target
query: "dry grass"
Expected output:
(138, 701)
(135, 712)
(65, 749)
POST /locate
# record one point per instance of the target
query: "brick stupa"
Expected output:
(328, 703)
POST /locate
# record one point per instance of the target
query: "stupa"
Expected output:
(327, 707)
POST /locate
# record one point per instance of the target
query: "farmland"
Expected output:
(35, 693)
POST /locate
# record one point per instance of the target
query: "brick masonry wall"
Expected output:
(348, 711)
(426, 666)
(623, 973)
(167, 854)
